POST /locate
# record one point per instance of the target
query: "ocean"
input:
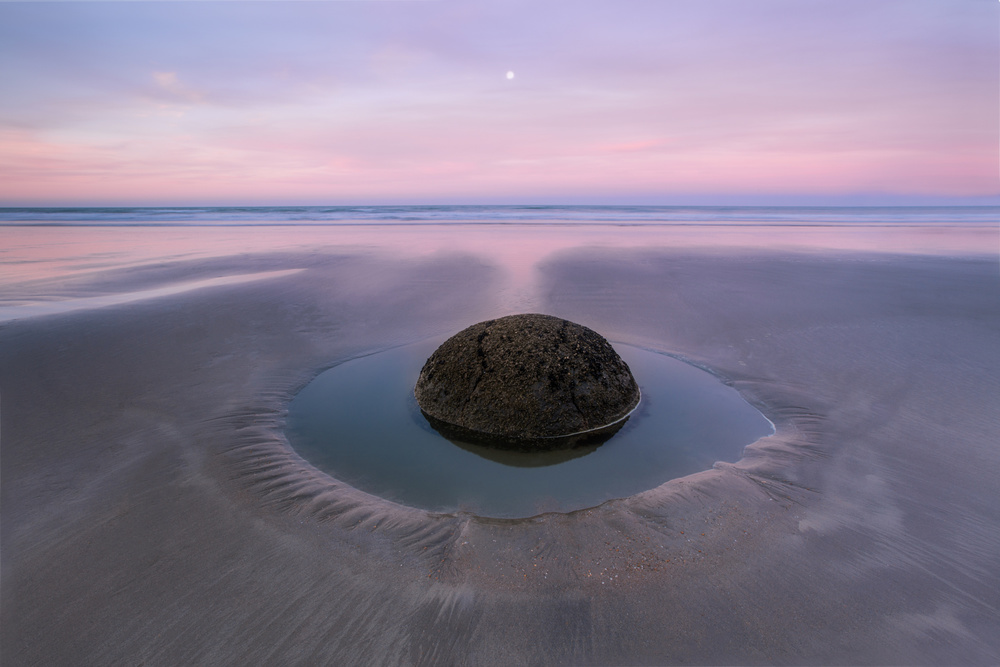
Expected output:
(499, 215)
(53, 253)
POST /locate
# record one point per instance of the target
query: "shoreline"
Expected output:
(154, 512)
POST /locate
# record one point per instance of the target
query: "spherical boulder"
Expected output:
(526, 382)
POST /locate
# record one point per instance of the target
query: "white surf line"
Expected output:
(9, 313)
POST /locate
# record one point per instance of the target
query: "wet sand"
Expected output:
(154, 514)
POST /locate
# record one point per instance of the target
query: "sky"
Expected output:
(500, 101)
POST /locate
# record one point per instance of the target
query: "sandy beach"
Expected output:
(232, 234)
(154, 513)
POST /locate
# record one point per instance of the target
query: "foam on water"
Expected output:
(56, 307)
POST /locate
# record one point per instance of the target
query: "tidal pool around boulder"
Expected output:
(359, 422)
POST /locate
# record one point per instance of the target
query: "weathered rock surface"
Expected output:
(526, 382)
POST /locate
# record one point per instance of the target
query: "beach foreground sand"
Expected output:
(154, 514)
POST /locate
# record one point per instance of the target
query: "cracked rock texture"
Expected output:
(526, 378)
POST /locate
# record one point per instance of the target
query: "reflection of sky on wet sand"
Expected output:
(30, 254)
(58, 306)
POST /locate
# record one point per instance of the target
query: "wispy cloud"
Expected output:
(169, 84)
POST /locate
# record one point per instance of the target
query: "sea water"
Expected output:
(46, 244)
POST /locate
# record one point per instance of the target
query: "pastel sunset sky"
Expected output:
(500, 101)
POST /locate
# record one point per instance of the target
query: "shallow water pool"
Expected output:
(359, 422)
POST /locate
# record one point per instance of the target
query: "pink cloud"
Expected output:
(350, 102)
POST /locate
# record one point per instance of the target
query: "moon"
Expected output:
(510, 75)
